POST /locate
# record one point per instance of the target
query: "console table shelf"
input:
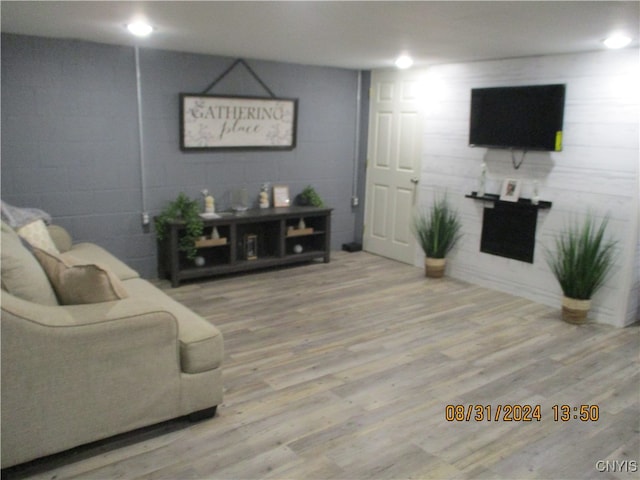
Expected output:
(492, 197)
(250, 240)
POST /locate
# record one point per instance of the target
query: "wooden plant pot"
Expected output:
(575, 311)
(434, 267)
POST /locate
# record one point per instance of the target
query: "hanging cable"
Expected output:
(513, 159)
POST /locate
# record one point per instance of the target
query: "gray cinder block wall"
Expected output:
(70, 139)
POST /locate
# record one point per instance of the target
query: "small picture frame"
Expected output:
(510, 190)
(281, 196)
(251, 247)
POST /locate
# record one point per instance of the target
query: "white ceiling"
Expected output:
(359, 35)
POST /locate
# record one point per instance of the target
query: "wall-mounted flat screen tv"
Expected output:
(523, 117)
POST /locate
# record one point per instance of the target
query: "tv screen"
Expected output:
(527, 117)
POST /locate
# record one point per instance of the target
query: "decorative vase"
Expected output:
(536, 197)
(434, 267)
(239, 199)
(575, 311)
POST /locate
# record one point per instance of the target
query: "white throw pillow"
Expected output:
(37, 234)
(22, 275)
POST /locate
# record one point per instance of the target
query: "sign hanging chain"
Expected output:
(234, 65)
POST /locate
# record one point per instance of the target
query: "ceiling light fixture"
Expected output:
(617, 41)
(140, 29)
(404, 61)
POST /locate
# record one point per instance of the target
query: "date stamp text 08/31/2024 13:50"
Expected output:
(520, 413)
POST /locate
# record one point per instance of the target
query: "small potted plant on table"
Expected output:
(437, 231)
(185, 210)
(309, 197)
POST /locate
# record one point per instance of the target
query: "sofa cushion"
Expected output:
(37, 234)
(77, 283)
(22, 275)
(60, 237)
(92, 253)
(201, 343)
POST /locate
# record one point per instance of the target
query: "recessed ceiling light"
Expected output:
(404, 61)
(140, 29)
(617, 41)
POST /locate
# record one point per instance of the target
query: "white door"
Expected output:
(393, 164)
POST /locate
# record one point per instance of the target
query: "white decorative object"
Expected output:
(199, 261)
(209, 202)
(301, 224)
(297, 248)
(482, 182)
(209, 205)
(214, 233)
(536, 197)
(264, 195)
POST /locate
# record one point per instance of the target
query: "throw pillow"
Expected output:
(22, 275)
(76, 283)
(37, 234)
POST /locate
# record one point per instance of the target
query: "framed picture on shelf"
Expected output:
(281, 196)
(510, 190)
(251, 247)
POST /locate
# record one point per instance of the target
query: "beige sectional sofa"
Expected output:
(76, 373)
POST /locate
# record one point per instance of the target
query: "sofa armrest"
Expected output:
(71, 371)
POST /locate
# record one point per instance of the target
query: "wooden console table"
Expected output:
(250, 240)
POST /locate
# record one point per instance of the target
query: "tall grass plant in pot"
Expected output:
(437, 230)
(581, 262)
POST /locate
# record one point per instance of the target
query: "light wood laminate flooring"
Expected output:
(345, 370)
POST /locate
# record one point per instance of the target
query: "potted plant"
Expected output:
(309, 196)
(581, 261)
(185, 210)
(437, 231)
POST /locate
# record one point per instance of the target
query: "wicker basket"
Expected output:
(434, 267)
(575, 311)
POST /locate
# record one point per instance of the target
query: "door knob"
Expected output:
(415, 180)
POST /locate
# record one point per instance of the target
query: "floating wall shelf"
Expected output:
(492, 197)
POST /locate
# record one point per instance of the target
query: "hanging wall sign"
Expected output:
(216, 122)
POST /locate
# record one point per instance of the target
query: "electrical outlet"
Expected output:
(145, 218)
(355, 201)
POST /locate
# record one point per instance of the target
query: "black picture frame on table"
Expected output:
(251, 247)
(227, 122)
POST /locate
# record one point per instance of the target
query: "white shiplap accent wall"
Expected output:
(596, 172)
